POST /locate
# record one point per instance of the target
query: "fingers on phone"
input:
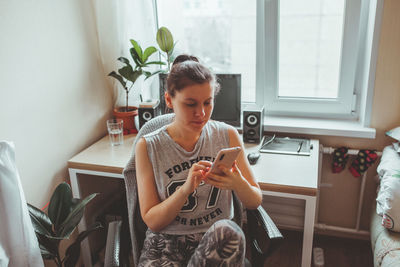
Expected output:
(223, 168)
(235, 167)
(205, 172)
(205, 163)
(200, 166)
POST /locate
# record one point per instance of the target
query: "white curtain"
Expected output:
(117, 22)
(18, 243)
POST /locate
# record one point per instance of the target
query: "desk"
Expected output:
(100, 159)
(295, 177)
(278, 175)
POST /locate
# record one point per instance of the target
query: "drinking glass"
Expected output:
(115, 131)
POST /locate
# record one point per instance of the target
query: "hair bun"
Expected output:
(183, 58)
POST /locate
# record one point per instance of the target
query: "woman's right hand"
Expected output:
(195, 176)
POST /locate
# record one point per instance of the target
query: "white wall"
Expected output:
(53, 95)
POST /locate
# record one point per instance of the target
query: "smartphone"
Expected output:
(225, 156)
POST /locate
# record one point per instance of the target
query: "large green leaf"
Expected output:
(128, 73)
(118, 77)
(135, 57)
(148, 52)
(48, 246)
(124, 60)
(75, 216)
(60, 204)
(75, 201)
(138, 50)
(136, 75)
(147, 74)
(73, 251)
(40, 221)
(46, 254)
(155, 63)
(165, 40)
(154, 73)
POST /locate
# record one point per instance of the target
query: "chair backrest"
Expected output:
(137, 227)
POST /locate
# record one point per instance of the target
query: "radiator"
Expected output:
(355, 230)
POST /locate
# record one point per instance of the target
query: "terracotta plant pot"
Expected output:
(128, 117)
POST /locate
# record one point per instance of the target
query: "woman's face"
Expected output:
(193, 105)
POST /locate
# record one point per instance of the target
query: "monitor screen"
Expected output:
(227, 103)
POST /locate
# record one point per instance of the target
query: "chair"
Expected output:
(261, 245)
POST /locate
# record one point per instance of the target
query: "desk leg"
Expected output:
(308, 235)
(76, 192)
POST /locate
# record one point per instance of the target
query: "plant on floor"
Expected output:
(64, 214)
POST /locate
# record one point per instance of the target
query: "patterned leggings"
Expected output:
(222, 245)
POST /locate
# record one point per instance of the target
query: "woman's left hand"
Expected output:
(231, 179)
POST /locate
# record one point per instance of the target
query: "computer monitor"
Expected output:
(227, 103)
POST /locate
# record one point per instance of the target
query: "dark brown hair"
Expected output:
(186, 70)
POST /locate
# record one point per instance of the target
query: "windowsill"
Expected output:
(317, 127)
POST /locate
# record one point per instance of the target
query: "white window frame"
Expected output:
(355, 124)
(361, 27)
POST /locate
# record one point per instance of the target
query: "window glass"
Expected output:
(222, 33)
(310, 46)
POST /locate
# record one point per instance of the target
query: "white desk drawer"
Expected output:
(285, 212)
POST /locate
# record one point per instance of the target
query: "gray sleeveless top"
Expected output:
(171, 164)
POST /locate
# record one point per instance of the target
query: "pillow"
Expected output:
(388, 198)
(395, 134)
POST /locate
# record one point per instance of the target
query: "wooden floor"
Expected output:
(338, 252)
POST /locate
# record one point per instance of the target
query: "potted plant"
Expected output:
(128, 75)
(166, 43)
(63, 215)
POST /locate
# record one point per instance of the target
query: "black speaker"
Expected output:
(253, 117)
(148, 110)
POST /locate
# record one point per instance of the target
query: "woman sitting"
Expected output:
(188, 209)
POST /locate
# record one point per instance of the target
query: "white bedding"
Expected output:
(388, 197)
